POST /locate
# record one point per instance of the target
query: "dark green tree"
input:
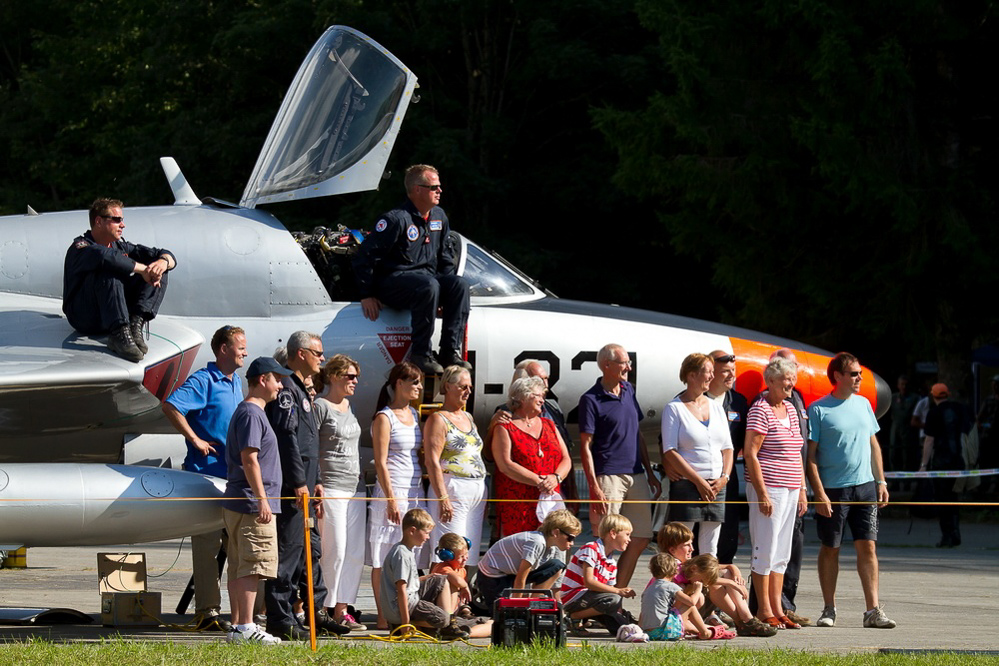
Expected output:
(832, 165)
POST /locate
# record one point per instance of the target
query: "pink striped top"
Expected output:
(780, 453)
(604, 570)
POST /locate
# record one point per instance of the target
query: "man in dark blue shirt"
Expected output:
(408, 263)
(111, 285)
(947, 423)
(614, 455)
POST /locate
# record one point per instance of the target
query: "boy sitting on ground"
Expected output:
(527, 559)
(667, 609)
(589, 587)
(409, 599)
(452, 549)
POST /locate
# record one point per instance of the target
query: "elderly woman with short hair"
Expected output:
(775, 487)
(531, 458)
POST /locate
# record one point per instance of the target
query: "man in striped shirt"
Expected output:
(589, 587)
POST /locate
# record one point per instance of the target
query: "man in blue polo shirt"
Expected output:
(614, 455)
(200, 409)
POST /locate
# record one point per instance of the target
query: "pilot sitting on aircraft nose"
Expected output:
(407, 263)
(111, 285)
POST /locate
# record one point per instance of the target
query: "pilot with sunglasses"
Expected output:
(408, 263)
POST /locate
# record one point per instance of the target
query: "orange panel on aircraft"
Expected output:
(751, 358)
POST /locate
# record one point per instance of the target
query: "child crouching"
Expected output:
(662, 600)
(589, 587)
(409, 599)
(452, 549)
(696, 576)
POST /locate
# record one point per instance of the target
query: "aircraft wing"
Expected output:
(54, 381)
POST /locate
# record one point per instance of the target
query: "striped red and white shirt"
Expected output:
(780, 453)
(604, 570)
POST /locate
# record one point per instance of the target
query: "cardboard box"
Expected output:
(130, 609)
(121, 572)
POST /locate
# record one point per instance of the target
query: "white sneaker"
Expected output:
(828, 617)
(876, 619)
(252, 634)
(631, 633)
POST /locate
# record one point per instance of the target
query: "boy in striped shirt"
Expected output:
(589, 587)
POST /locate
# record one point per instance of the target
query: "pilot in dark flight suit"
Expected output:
(408, 263)
(111, 285)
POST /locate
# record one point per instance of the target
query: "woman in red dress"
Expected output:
(531, 458)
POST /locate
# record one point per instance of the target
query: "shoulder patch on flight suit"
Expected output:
(285, 400)
(412, 233)
(382, 225)
(80, 244)
(306, 405)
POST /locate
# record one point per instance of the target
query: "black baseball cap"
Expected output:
(264, 364)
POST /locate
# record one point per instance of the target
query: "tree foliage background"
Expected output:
(823, 171)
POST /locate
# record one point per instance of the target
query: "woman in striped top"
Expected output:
(775, 487)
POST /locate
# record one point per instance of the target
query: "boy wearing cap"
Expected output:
(947, 423)
(252, 496)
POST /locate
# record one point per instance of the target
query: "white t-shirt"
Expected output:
(504, 556)
(700, 445)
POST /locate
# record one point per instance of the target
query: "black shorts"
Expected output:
(685, 491)
(862, 518)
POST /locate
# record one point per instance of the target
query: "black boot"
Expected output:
(120, 343)
(137, 327)
(451, 357)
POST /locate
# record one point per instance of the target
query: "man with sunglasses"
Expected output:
(845, 470)
(297, 432)
(408, 263)
(113, 286)
(201, 409)
(722, 389)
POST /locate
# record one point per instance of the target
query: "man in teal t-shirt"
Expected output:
(844, 467)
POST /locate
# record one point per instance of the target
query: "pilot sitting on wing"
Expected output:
(111, 285)
(407, 263)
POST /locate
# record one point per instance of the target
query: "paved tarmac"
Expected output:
(942, 599)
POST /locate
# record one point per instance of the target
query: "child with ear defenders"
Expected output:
(452, 549)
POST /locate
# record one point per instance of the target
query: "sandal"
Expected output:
(788, 623)
(718, 633)
(755, 629)
(578, 629)
(465, 612)
(773, 622)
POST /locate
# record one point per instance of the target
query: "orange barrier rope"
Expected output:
(308, 571)
(493, 501)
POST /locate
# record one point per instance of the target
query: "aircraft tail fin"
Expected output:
(183, 193)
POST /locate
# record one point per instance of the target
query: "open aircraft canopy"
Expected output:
(338, 122)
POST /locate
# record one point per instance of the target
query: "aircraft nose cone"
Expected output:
(883, 394)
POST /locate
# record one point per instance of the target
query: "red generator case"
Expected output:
(523, 620)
